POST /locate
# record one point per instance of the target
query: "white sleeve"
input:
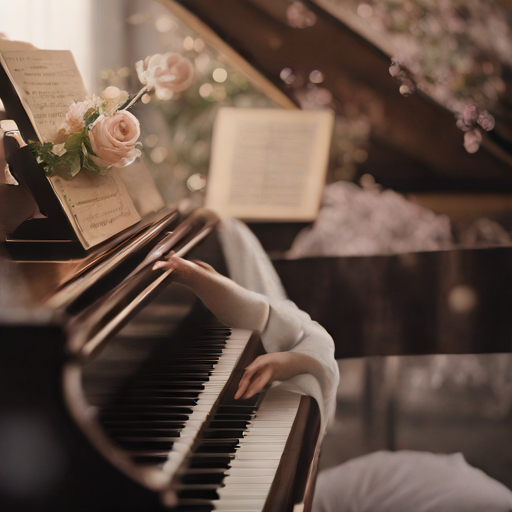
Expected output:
(287, 327)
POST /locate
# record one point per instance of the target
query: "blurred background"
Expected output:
(403, 194)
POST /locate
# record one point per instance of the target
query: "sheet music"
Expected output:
(47, 82)
(268, 163)
(99, 206)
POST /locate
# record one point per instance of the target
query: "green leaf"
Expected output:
(90, 116)
(88, 146)
(74, 166)
(90, 165)
(74, 142)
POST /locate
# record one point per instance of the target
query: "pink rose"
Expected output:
(166, 73)
(114, 138)
(472, 140)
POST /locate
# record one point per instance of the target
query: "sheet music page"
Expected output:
(48, 81)
(269, 164)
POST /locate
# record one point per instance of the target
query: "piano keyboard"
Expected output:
(233, 465)
(177, 415)
(158, 415)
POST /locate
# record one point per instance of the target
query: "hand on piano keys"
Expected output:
(269, 368)
(240, 308)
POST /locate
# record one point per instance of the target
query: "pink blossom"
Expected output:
(486, 121)
(402, 75)
(165, 73)
(395, 68)
(114, 138)
(299, 16)
(472, 140)
(469, 115)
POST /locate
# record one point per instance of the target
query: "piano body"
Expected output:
(117, 386)
(389, 304)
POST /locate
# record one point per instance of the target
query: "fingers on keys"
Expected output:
(257, 375)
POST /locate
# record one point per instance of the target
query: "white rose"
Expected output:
(76, 112)
(114, 138)
(165, 73)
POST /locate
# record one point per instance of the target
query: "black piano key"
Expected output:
(174, 377)
(198, 461)
(236, 409)
(144, 432)
(168, 375)
(152, 394)
(145, 445)
(148, 409)
(216, 449)
(167, 386)
(149, 460)
(150, 424)
(209, 477)
(199, 368)
(228, 424)
(198, 493)
(196, 506)
(158, 401)
(234, 417)
(222, 434)
(127, 416)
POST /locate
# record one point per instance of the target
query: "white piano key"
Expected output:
(248, 495)
(250, 479)
(239, 505)
(259, 456)
(254, 464)
(256, 447)
(251, 472)
(273, 431)
(255, 486)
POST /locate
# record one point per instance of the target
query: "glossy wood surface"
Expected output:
(414, 144)
(443, 302)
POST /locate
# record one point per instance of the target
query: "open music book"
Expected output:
(269, 164)
(46, 82)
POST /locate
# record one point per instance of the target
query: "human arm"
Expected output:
(242, 308)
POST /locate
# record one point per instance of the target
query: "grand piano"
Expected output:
(117, 386)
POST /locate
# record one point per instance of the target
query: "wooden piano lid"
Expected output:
(414, 144)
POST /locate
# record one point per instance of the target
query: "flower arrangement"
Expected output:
(472, 121)
(456, 51)
(99, 132)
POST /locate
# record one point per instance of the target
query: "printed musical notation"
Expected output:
(269, 164)
(47, 82)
